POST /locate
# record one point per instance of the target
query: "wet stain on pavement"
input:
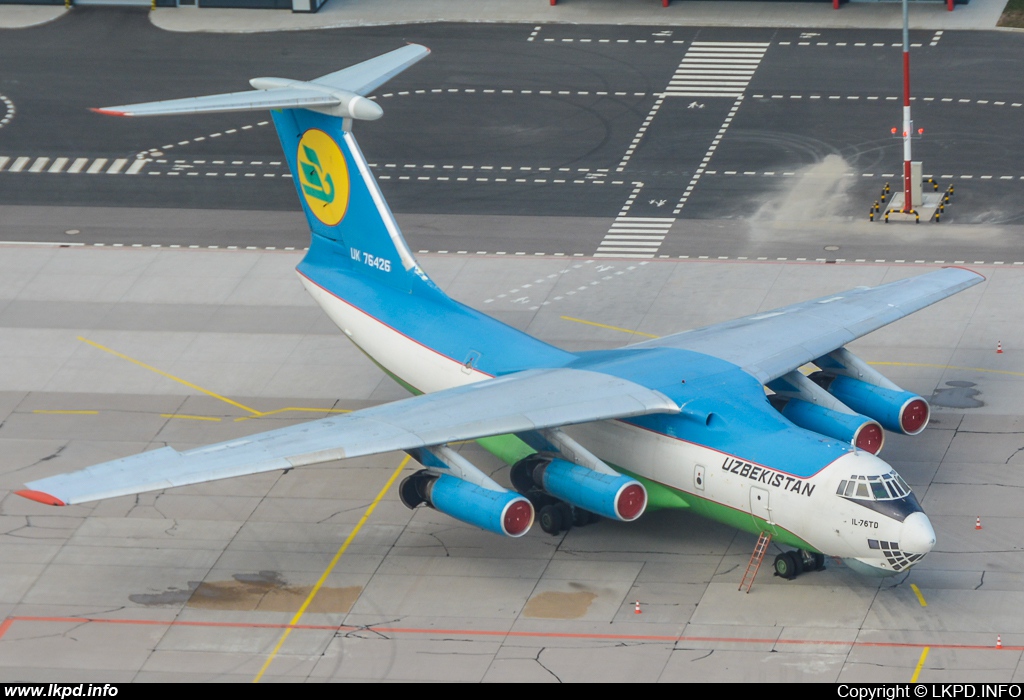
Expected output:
(266, 591)
(556, 605)
(957, 395)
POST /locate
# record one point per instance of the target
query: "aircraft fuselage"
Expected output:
(729, 455)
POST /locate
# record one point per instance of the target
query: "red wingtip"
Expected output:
(961, 267)
(40, 497)
(108, 112)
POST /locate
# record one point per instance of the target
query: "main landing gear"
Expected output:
(558, 517)
(554, 515)
(789, 565)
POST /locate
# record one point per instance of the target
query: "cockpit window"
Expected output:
(874, 488)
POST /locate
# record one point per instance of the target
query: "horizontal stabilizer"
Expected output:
(530, 400)
(339, 94)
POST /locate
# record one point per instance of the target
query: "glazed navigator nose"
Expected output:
(917, 535)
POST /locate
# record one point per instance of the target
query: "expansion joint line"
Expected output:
(640, 134)
(707, 156)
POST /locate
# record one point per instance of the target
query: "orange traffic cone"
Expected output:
(636, 610)
(999, 347)
(999, 641)
(977, 523)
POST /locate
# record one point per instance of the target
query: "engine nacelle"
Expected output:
(897, 410)
(501, 512)
(860, 431)
(609, 495)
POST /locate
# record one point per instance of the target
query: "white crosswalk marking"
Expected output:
(116, 166)
(3, 161)
(138, 165)
(716, 69)
(38, 165)
(77, 166)
(58, 165)
(97, 165)
(634, 237)
(19, 164)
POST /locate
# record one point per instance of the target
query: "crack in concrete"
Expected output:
(355, 633)
(541, 664)
(337, 512)
(440, 542)
(39, 461)
(700, 658)
(729, 570)
(982, 582)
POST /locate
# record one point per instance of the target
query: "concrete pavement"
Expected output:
(978, 14)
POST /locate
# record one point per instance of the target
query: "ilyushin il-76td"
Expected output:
(682, 421)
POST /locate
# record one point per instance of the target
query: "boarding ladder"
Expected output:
(755, 560)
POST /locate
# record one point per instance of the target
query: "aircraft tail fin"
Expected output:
(353, 228)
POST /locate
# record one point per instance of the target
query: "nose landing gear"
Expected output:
(789, 565)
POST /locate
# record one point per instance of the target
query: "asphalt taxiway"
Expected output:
(685, 124)
(111, 351)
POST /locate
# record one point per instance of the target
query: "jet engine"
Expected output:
(861, 387)
(897, 410)
(860, 431)
(609, 495)
(502, 512)
(807, 405)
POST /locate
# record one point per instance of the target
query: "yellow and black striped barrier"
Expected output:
(917, 216)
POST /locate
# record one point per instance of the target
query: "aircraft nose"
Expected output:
(917, 535)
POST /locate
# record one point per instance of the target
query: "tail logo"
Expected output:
(323, 176)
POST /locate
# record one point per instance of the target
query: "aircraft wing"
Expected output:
(771, 344)
(528, 400)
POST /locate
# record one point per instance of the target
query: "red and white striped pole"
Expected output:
(908, 123)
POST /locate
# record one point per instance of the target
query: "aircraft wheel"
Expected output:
(551, 519)
(581, 517)
(786, 565)
(819, 562)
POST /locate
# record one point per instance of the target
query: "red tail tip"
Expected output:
(108, 112)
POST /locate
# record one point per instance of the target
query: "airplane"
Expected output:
(719, 420)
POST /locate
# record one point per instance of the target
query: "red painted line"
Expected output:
(510, 633)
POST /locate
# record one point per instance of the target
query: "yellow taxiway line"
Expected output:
(330, 568)
(920, 665)
(611, 328)
(183, 416)
(253, 413)
(151, 368)
(920, 598)
(876, 364)
(66, 413)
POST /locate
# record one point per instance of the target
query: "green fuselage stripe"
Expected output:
(660, 496)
